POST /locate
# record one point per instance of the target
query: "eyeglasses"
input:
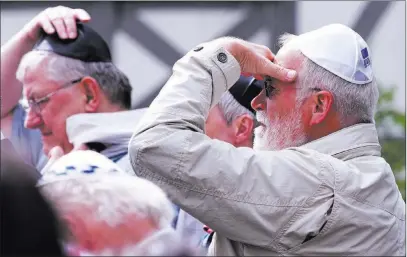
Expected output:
(35, 104)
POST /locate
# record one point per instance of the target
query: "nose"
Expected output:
(32, 120)
(259, 102)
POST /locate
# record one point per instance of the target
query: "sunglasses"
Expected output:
(271, 91)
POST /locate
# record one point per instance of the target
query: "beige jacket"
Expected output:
(333, 196)
(112, 129)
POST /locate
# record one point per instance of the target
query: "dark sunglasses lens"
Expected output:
(267, 86)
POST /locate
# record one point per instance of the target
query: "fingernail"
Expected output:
(72, 35)
(291, 74)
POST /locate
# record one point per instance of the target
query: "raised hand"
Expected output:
(58, 19)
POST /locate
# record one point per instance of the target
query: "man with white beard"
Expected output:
(315, 184)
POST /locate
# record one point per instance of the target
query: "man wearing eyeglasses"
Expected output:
(72, 91)
(232, 120)
(315, 183)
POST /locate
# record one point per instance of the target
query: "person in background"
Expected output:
(107, 211)
(29, 224)
(232, 120)
(74, 94)
(315, 182)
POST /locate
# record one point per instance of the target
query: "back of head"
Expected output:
(89, 189)
(237, 101)
(337, 59)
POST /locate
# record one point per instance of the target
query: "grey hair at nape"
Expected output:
(114, 83)
(231, 108)
(111, 198)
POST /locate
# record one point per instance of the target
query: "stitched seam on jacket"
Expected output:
(178, 184)
(149, 174)
(296, 216)
(330, 221)
(323, 167)
(372, 205)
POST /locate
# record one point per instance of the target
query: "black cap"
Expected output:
(88, 46)
(245, 90)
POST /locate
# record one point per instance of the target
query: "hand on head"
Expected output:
(58, 19)
(256, 60)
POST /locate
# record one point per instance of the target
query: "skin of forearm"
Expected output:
(11, 53)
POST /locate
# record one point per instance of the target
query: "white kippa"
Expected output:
(340, 50)
(80, 164)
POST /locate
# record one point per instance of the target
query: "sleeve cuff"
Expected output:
(225, 68)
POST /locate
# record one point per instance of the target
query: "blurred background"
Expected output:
(146, 38)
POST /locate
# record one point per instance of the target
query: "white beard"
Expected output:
(281, 133)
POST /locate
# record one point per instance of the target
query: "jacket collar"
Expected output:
(348, 143)
(109, 133)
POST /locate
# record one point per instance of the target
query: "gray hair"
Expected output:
(354, 103)
(110, 198)
(61, 69)
(232, 109)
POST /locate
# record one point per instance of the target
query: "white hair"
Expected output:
(232, 109)
(111, 198)
(61, 69)
(354, 103)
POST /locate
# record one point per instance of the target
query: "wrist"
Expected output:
(25, 41)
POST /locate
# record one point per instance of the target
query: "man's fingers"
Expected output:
(266, 52)
(70, 25)
(81, 15)
(59, 25)
(258, 77)
(55, 16)
(47, 26)
(276, 71)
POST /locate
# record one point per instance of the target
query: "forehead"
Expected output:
(36, 84)
(288, 56)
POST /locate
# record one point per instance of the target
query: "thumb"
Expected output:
(81, 147)
(55, 153)
(276, 71)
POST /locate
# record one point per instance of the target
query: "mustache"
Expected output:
(261, 118)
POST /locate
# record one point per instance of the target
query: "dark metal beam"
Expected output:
(248, 26)
(147, 37)
(279, 17)
(105, 18)
(244, 29)
(369, 18)
(148, 99)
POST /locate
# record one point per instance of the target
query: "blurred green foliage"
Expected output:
(393, 147)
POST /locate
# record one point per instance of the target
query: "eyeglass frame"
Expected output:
(34, 104)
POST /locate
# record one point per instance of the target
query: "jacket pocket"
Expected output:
(308, 228)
